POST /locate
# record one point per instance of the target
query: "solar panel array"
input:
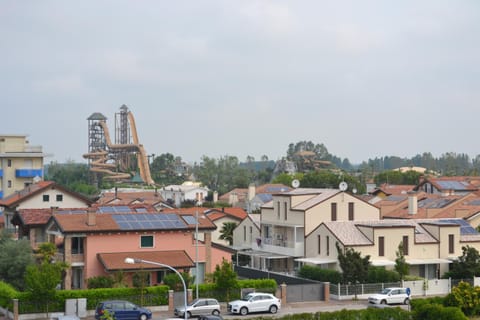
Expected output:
(451, 185)
(395, 198)
(70, 211)
(474, 202)
(465, 227)
(114, 209)
(190, 219)
(151, 221)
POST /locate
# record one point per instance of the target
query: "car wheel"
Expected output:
(143, 316)
(383, 302)
(273, 309)
(215, 312)
(189, 315)
(407, 301)
(243, 311)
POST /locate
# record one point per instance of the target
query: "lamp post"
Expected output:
(196, 254)
(133, 261)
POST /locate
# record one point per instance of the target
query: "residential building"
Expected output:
(41, 195)
(175, 195)
(429, 245)
(290, 217)
(224, 215)
(96, 242)
(20, 164)
(253, 197)
(458, 185)
(129, 196)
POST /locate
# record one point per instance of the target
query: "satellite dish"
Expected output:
(343, 186)
(295, 183)
(354, 190)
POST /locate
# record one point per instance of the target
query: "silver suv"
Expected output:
(199, 307)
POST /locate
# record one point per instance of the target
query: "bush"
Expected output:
(100, 282)
(381, 275)
(319, 274)
(438, 312)
(465, 297)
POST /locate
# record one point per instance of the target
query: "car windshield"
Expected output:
(385, 291)
(193, 302)
(246, 298)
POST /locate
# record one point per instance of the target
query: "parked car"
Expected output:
(255, 302)
(199, 307)
(122, 310)
(391, 296)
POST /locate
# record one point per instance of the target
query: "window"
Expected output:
(381, 246)
(46, 198)
(59, 197)
(9, 162)
(334, 211)
(244, 233)
(328, 245)
(278, 210)
(351, 211)
(77, 245)
(319, 244)
(285, 208)
(9, 183)
(146, 241)
(251, 233)
(451, 243)
(405, 245)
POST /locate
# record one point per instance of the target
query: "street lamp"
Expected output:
(196, 254)
(134, 260)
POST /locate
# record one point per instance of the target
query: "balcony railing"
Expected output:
(287, 248)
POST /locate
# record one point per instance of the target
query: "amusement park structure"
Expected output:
(117, 160)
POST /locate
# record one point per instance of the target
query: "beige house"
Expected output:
(430, 245)
(288, 220)
(20, 164)
(247, 232)
(41, 195)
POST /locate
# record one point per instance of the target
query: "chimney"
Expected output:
(412, 202)
(215, 196)
(251, 191)
(91, 217)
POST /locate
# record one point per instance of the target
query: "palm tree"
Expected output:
(226, 233)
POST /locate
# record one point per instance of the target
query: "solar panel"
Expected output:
(122, 209)
(475, 202)
(106, 209)
(190, 219)
(152, 221)
(140, 210)
(453, 185)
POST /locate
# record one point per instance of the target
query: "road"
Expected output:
(291, 308)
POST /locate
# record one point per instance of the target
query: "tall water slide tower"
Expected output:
(121, 159)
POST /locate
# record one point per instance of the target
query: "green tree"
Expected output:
(223, 174)
(226, 233)
(401, 265)
(42, 282)
(225, 278)
(15, 257)
(353, 265)
(163, 169)
(465, 297)
(467, 266)
(74, 176)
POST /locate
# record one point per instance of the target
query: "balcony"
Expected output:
(286, 248)
(28, 173)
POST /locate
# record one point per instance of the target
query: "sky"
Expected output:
(245, 78)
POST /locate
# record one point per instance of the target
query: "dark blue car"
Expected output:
(121, 310)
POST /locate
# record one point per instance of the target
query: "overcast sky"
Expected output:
(216, 78)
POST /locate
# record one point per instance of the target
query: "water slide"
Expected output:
(99, 163)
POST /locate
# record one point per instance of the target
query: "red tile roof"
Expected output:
(234, 212)
(126, 198)
(116, 261)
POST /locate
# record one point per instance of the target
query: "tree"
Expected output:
(225, 278)
(163, 169)
(353, 265)
(401, 265)
(226, 233)
(42, 282)
(15, 257)
(467, 266)
(74, 176)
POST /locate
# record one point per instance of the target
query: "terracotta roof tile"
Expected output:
(25, 193)
(116, 261)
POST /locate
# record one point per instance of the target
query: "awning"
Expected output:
(116, 261)
(263, 254)
(427, 261)
(382, 263)
(316, 260)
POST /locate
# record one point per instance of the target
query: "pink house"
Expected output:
(96, 242)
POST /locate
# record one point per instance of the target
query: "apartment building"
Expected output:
(20, 163)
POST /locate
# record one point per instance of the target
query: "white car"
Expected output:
(199, 307)
(391, 296)
(255, 302)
